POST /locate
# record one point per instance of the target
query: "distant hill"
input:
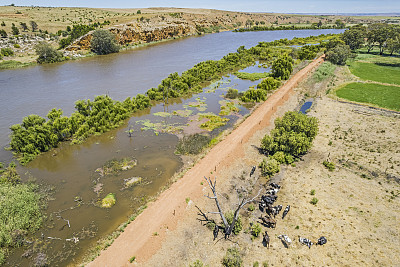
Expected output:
(352, 14)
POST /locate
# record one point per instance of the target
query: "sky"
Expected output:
(277, 6)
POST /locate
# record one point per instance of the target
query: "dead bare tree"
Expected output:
(228, 227)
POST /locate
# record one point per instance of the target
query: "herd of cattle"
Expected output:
(266, 205)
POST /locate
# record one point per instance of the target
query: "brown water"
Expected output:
(71, 169)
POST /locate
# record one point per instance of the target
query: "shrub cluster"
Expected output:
(36, 134)
(232, 258)
(292, 137)
(7, 52)
(47, 54)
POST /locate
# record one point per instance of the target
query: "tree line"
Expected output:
(338, 25)
(385, 37)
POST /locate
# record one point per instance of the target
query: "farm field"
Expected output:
(379, 72)
(376, 94)
(377, 81)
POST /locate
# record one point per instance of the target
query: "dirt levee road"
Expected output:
(163, 214)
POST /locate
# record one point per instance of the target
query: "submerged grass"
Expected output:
(381, 95)
(214, 121)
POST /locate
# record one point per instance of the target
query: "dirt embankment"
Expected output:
(144, 236)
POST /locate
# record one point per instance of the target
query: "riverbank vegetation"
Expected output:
(36, 134)
(20, 209)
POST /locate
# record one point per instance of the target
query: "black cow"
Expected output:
(321, 241)
(306, 241)
(266, 239)
(215, 232)
(285, 212)
(253, 170)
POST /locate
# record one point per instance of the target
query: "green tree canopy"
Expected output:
(47, 54)
(293, 134)
(339, 54)
(354, 37)
(282, 67)
(103, 42)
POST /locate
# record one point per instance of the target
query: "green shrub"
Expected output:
(254, 95)
(279, 157)
(251, 207)
(7, 52)
(269, 84)
(103, 42)
(282, 67)
(108, 201)
(197, 263)
(47, 54)
(329, 165)
(293, 134)
(256, 230)
(9, 175)
(238, 224)
(17, 46)
(256, 264)
(312, 192)
(232, 93)
(210, 225)
(314, 201)
(339, 54)
(232, 258)
(132, 259)
(269, 167)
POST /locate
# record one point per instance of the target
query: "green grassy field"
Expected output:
(376, 94)
(379, 71)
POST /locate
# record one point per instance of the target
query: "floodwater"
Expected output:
(71, 170)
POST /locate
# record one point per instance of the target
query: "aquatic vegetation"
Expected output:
(183, 113)
(114, 166)
(108, 201)
(200, 104)
(192, 144)
(214, 121)
(36, 134)
(20, 214)
(162, 114)
(132, 181)
(160, 127)
(227, 108)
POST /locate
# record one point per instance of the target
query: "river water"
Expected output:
(71, 170)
